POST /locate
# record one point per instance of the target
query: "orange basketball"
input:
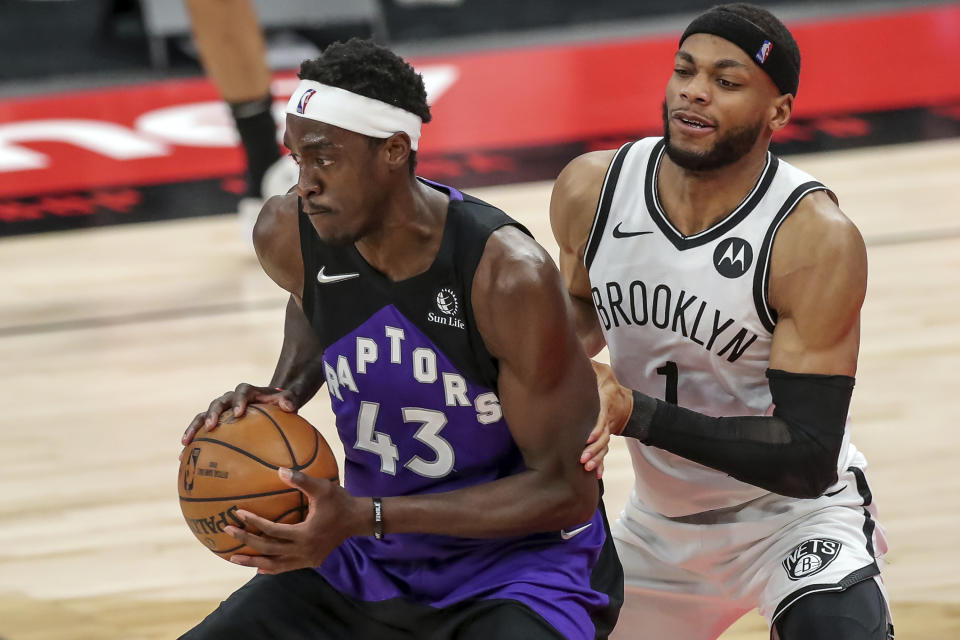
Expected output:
(235, 467)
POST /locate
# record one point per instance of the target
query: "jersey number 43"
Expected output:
(431, 423)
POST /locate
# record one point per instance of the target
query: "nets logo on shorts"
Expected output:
(811, 557)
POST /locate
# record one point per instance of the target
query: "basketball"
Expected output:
(235, 467)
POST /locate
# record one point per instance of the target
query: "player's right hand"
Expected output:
(236, 401)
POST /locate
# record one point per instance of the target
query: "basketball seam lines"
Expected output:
(238, 450)
(316, 452)
(251, 495)
(313, 456)
(293, 457)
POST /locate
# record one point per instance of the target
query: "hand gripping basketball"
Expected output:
(333, 515)
(237, 401)
(235, 469)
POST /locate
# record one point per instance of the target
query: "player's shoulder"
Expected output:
(818, 267)
(513, 260)
(818, 249)
(276, 239)
(516, 284)
(592, 163)
(583, 176)
(576, 195)
(515, 274)
(818, 227)
(479, 219)
(276, 210)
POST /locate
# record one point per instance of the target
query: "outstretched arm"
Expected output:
(817, 286)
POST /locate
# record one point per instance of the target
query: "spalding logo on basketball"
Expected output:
(811, 557)
(447, 302)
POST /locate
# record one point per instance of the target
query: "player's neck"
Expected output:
(696, 200)
(407, 241)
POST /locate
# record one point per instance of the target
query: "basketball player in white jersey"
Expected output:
(727, 285)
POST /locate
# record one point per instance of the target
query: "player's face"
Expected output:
(718, 103)
(340, 178)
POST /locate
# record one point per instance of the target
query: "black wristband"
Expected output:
(378, 519)
(638, 424)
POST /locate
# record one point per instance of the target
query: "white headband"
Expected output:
(352, 112)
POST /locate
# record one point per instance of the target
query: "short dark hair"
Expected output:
(368, 69)
(769, 24)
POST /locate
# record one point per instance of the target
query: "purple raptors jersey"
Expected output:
(414, 391)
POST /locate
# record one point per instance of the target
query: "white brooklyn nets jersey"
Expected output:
(687, 318)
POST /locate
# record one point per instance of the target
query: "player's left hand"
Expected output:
(598, 444)
(616, 401)
(333, 515)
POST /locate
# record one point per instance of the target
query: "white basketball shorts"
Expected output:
(691, 577)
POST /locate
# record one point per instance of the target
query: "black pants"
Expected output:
(302, 605)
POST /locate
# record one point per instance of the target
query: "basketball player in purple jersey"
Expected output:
(727, 286)
(447, 345)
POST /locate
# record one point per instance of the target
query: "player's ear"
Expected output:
(780, 111)
(396, 150)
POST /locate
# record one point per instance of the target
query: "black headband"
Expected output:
(767, 54)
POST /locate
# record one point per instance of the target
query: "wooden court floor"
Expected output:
(111, 339)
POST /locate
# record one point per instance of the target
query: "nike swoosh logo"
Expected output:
(323, 278)
(627, 234)
(833, 493)
(566, 535)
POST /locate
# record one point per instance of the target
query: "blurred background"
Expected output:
(106, 99)
(130, 296)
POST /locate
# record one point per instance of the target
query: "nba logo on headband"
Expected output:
(353, 112)
(304, 99)
(765, 50)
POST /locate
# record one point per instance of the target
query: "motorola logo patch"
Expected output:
(811, 557)
(733, 257)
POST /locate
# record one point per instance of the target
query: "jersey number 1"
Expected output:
(670, 370)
